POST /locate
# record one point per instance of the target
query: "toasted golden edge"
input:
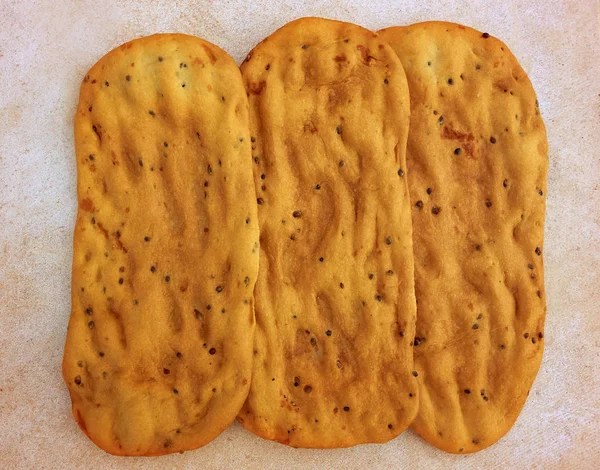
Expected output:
(396, 33)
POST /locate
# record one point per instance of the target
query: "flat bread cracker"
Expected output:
(477, 163)
(159, 347)
(335, 304)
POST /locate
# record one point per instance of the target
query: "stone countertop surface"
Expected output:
(47, 46)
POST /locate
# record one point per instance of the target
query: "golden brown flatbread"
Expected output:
(335, 302)
(477, 163)
(159, 347)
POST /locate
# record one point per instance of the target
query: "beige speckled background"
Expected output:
(45, 49)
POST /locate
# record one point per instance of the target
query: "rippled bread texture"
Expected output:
(477, 162)
(335, 302)
(159, 347)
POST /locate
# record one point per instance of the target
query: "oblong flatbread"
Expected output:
(335, 303)
(159, 348)
(477, 163)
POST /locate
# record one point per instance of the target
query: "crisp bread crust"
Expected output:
(159, 348)
(477, 164)
(335, 304)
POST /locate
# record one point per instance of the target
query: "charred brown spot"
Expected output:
(87, 205)
(209, 53)
(365, 54)
(256, 88)
(466, 139)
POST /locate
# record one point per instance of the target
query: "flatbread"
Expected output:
(159, 347)
(335, 304)
(477, 163)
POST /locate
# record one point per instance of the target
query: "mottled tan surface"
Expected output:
(159, 348)
(477, 164)
(335, 305)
